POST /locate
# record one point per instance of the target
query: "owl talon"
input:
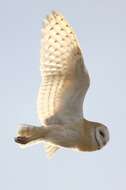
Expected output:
(21, 140)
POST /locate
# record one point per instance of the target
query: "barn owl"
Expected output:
(65, 81)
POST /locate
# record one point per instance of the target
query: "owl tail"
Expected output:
(50, 149)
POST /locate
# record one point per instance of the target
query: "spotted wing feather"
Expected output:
(65, 79)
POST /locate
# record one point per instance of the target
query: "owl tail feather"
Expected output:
(50, 149)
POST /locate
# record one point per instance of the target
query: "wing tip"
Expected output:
(53, 14)
(56, 13)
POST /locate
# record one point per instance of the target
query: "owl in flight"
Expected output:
(65, 81)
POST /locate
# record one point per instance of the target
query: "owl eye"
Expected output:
(102, 134)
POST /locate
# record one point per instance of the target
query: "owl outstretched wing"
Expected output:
(65, 79)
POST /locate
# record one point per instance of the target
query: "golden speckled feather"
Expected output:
(65, 78)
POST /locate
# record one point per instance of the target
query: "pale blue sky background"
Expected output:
(101, 30)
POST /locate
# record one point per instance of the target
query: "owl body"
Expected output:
(65, 81)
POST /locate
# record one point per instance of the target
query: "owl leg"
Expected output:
(29, 133)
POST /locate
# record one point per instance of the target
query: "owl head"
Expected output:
(96, 136)
(101, 135)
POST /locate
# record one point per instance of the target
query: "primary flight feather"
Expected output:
(65, 81)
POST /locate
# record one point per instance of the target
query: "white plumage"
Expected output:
(65, 78)
(65, 81)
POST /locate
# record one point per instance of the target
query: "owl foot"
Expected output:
(29, 133)
(21, 140)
